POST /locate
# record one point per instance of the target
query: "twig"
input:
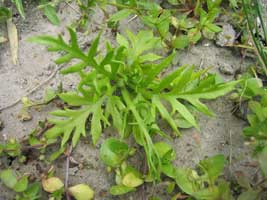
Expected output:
(30, 91)
(133, 18)
(67, 153)
(77, 11)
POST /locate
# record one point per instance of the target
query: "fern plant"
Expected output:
(123, 88)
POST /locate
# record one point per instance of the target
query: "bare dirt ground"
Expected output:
(221, 134)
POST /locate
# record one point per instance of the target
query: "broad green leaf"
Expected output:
(33, 190)
(131, 180)
(81, 192)
(51, 14)
(183, 180)
(258, 110)
(8, 177)
(180, 42)
(182, 123)
(194, 35)
(150, 57)
(163, 23)
(52, 184)
(166, 152)
(21, 184)
(169, 170)
(214, 28)
(122, 14)
(120, 189)
(122, 41)
(207, 193)
(113, 152)
(213, 166)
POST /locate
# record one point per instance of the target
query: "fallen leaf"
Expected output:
(13, 40)
(52, 184)
(81, 192)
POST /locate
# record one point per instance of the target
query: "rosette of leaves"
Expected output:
(123, 88)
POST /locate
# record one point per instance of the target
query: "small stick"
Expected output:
(77, 11)
(133, 18)
(67, 153)
(28, 92)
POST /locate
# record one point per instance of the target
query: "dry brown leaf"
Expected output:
(13, 40)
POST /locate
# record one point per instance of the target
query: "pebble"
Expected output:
(226, 69)
(227, 36)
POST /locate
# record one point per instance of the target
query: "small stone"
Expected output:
(227, 36)
(227, 69)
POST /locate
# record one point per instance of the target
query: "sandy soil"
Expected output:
(222, 134)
